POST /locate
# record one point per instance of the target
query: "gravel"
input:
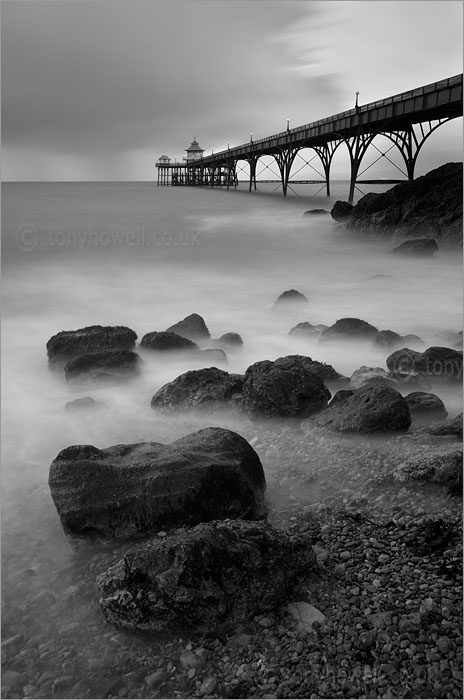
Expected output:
(388, 581)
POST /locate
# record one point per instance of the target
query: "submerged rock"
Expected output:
(349, 329)
(108, 365)
(128, 491)
(192, 327)
(425, 406)
(66, 345)
(290, 297)
(372, 408)
(435, 364)
(367, 375)
(417, 246)
(162, 341)
(342, 211)
(306, 329)
(291, 387)
(229, 341)
(208, 579)
(84, 403)
(315, 212)
(209, 388)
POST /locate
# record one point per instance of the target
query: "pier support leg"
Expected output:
(284, 160)
(357, 147)
(411, 140)
(252, 163)
(326, 154)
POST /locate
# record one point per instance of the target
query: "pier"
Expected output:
(407, 120)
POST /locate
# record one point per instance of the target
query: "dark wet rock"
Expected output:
(349, 329)
(84, 403)
(192, 327)
(443, 364)
(452, 427)
(413, 340)
(388, 340)
(315, 212)
(367, 375)
(210, 388)
(108, 365)
(341, 211)
(290, 297)
(305, 330)
(229, 341)
(291, 387)
(425, 406)
(370, 409)
(127, 491)
(417, 246)
(211, 578)
(427, 206)
(163, 341)
(66, 345)
(435, 464)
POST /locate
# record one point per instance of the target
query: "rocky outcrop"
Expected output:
(210, 388)
(428, 206)
(315, 212)
(367, 375)
(439, 465)
(83, 404)
(342, 211)
(229, 341)
(371, 409)
(108, 365)
(66, 345)
(128, 491)
(425, 407)
(306, 330)
(164, 341)
(437, 365)
(192, 327)
(206, 580)
(389, 340)
(452, 427)
(349, 329)
(290, 387)
(417, 247)
(289, 298)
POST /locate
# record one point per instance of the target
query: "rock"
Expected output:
(425, 406)
(315, 212)
(86, 402)
(388, 340)
(436, 365)
(189, 659)
(214, 355)
(417, 246)
(208, 685)
(192, 327)
(290, 297)
(305, 329)
(291, 387)
(207, 579)
(435, 464)
(66, 345)
(306, 615)
(341, 211)
(427, 206)
(229, 341)
(128, 491)
(163, 341)
(349, 329)
(209, 388)
(366, 375)
(370, 409)
(154, 680)
(412, 340)
(453, 427)
(106, 365)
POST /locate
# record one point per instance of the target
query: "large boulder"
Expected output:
(367, 375)
(436, 365)
(290, 298)
(229, 341)
(427, 206)
(66, 345)
(108, 365)
(425, 406)
(371, 409)
(452, 427)
(417, 246)
(128, 491)
(306, 330)
(349, 329)
(341, 211)
(192, 327)
(206, 580)
(163, 341)
(389, 340)
(437, 465)
(209, 388)
(289, 387)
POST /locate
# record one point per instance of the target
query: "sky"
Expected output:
(99, 89)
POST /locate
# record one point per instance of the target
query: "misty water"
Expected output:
(133, 254)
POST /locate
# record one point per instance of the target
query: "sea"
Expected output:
(76, 254)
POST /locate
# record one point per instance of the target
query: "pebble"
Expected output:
(345, 556)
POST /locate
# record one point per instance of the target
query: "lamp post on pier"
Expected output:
(288, 124)
(356, 106)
